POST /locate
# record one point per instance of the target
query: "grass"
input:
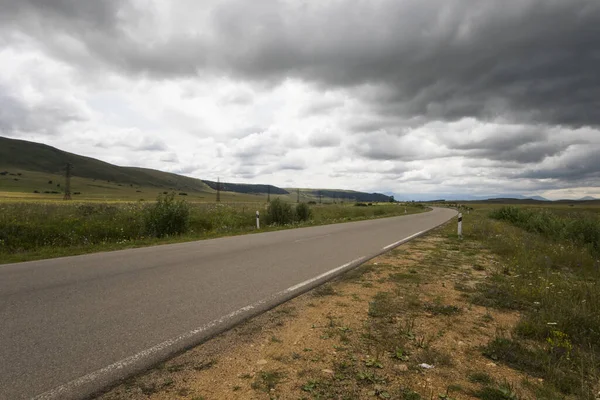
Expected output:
(547, 268)
(266, 381)
(35, 230)
(481, 377)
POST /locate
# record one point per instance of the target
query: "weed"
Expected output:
(438, 309)
(407, 394)
(303, 212)
(401, 278)
(481, 377)
(383, 306)
(503, 392)
(205, 365)
(434, 357)
(265, 381)
(275, 339)
(279, 212)
(167, 216)
(324, 290)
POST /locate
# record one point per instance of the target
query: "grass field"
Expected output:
(43, 229)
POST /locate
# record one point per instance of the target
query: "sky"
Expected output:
(436, 98)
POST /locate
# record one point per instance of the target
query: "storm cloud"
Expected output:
(425, 85)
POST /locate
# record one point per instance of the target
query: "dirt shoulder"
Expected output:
(400, 327)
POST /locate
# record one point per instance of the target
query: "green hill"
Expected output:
(246, 188)
(38, 170)
(30, 156)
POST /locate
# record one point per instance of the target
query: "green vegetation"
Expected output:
(279, 213)
(34, 230)
(167, 217)
(581, 228)
(547, 268)
(266, 381)
(303, 212)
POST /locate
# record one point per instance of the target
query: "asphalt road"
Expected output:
(71, 326)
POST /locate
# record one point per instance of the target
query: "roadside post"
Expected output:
(460, 225)
(257, 220)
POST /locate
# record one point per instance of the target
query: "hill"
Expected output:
(37, 157)
(246, 188)
(34, 168)
(346, 195)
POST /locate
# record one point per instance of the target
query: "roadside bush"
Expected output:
(279, 213)
(303, 212)
(167, 216)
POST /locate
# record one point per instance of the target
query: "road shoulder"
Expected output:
(373, 333)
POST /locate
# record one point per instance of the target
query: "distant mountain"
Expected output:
(587, 198)
(349, 195)
(538, 198)
(246, 188)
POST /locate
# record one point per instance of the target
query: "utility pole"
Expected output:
(218, 190)
(68, 182)
(298, 193)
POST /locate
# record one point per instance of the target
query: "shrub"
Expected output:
(279, 212)
(303, 212)
(167, 216)
(360, 205)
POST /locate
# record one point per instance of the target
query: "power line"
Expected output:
(67, 195)
(218, 190)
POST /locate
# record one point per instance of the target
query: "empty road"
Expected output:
(70, 326)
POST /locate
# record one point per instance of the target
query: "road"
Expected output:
(71, 326)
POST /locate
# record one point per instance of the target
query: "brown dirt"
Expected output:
(308, 340)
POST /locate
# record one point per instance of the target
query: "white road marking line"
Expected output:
(57, 392)
(402, 241)
(316, 278)
(311, 238)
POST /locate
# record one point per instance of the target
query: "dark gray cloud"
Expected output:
(582, 166)
(18, 118)
(531, 60)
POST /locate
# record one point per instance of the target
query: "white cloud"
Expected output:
(402, 97)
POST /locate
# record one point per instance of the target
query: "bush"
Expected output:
(303, 212)
(360, 205)
(167, 216)
(279, 213)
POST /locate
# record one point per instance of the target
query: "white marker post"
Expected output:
(257, 220)
(460, 225)
(404, 210)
